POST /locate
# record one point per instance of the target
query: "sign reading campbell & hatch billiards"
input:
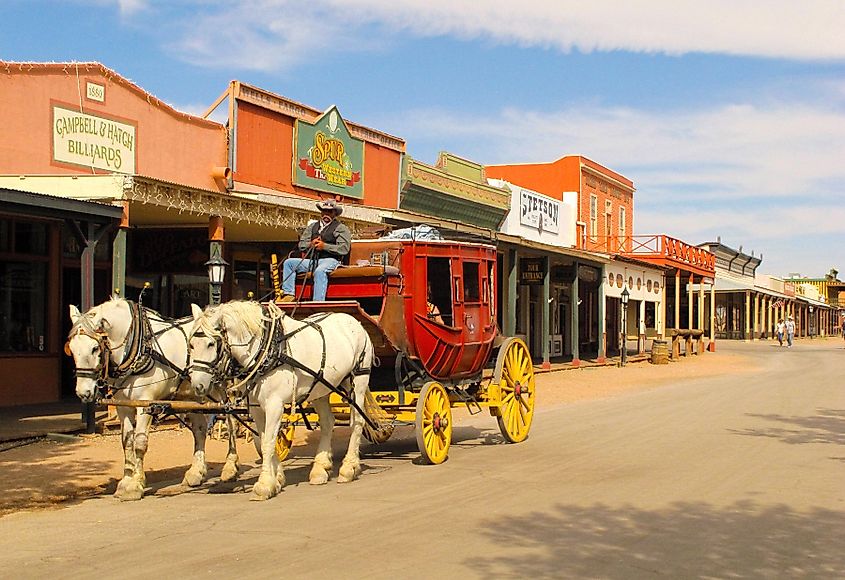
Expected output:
(328, 158)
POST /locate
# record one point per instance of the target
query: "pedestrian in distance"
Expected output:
(790, 331)
(324, 243)
(780, 328)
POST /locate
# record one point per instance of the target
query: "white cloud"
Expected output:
(763, 177)
(775, 28)
(125, 7)
(276, 34)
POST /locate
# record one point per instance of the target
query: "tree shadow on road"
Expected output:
(45, 473)
(685, 540)
(827, 426)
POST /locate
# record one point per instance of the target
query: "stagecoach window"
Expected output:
(472, 288)
(439, 290)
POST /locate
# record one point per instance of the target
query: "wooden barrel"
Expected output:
(659, 352)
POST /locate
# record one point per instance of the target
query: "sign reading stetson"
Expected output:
(539, 212)
(93, 141)
(328, 158)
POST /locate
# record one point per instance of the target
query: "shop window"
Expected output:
(23, 310)
(23, 285)
(30, 238)
(5, 235)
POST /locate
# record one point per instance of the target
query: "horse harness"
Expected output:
(141, 355)
(275, 349)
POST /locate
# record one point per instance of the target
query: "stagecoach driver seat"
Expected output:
(324, 244)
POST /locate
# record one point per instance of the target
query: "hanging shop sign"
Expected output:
(93, 141)
(328, 158)
(539, 212)
(532, 271)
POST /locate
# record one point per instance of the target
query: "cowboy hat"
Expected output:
(330, 205)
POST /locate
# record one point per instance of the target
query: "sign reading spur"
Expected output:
(328, 158)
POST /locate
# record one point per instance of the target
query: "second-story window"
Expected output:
(623, 226)
(608, 218)
(594, 216)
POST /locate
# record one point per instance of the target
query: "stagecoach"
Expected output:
(426, 365)
(373, 353)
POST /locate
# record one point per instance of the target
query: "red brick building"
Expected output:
(605, 198)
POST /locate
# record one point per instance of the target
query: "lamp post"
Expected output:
(812, 322)
(216, 274)
(623, 334)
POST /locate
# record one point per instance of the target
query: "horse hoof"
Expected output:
(133, 492)
(348, 473)
(262, 492)
(121, 486)
(193, 478)
(230, 472)
(318, 476)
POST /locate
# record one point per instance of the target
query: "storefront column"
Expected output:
(573, 330)
(661, 328)
(510, 313)
(641, 329)
(747, 332)
(88, 235)
(764, 317)
(700, 317)
(545, 308)
(712, 344)
(118, 265)
(756, 322)
(800, 320)
(690, 320)
(677, 299)
(602, 356)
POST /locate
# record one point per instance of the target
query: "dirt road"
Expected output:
(733, 470)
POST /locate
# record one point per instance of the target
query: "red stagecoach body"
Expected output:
(388, 285)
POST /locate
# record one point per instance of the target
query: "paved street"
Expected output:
(706, 478)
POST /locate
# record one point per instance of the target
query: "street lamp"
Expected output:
(812, 322)
(624, 333)
(216, 274)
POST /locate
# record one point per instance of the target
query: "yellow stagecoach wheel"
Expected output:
(434, 423)
(284, 438)
(515, 375)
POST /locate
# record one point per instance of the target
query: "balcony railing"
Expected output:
(658, 248)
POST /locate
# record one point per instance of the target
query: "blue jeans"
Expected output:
(789, 337)
(302, 265)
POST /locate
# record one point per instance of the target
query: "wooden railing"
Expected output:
(654, 248)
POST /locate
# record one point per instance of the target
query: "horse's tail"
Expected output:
(382, 419)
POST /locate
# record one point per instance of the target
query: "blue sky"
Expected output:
(729, 116)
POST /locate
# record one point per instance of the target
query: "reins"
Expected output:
(140, 357)
(273, 352)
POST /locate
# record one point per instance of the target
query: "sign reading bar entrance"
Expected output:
(532, 271)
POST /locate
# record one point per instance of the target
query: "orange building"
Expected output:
(605, 198)
(106, 188)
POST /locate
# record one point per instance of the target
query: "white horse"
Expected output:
(280, 358)
(141, 356)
